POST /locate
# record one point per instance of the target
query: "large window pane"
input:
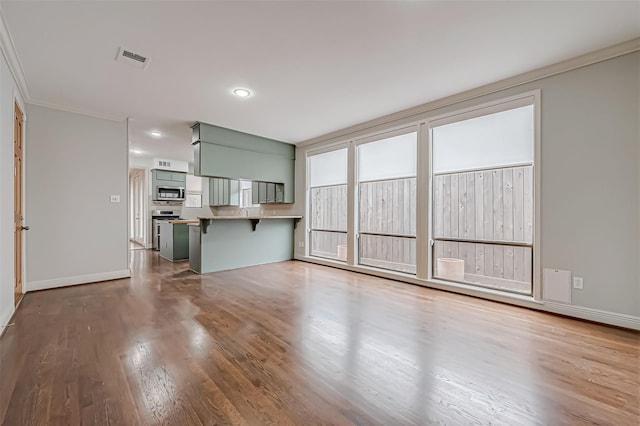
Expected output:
(330, 245)
(387, 203)
(388, 158)
(388, 207)
(395, 253)
(490, 140)
(328, 205)
(328, 210)
(482, 205)
(497, 266)
(328, 169)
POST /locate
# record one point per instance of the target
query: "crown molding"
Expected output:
(610, 52)
(15, 67)
(74, 110)
(13, 61)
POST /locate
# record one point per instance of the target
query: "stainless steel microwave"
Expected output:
(169, 193)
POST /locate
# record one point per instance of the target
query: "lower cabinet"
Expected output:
(174, 241)
(195, 259)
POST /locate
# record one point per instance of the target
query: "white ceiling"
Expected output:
(314, 67)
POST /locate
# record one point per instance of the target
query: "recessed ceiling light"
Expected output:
(136, 151)
(156, 134)
(243, 93)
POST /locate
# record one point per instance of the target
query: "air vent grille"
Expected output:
(134, 56)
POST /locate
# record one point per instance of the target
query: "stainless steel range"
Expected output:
(158, 216)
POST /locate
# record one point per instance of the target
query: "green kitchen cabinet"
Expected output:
(224, 192)
(174, 241)
(267, 192)
(195, 258)
(166, 179)
(226, 153)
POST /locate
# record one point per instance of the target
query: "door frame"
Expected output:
(19, 254)
(138, 197)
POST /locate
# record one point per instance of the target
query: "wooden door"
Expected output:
(17, 202)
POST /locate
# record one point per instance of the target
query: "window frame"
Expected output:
(488, 108)
(308, 228)
(357, 143)
(421, 123)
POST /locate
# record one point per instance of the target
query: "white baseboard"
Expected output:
(78, 279)
(606, 317)
(4, 320)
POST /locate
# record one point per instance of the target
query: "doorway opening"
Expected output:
(137, 211)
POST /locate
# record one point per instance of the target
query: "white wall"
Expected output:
(590, 189)
(8, 95)
(74, 163)
(205, 210)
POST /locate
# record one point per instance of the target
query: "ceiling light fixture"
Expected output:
(136, 151)
(156, 134)
(243, 93)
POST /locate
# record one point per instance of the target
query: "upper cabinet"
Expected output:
(225, 153)
(168, 185)
(172, 178)
(224, 192)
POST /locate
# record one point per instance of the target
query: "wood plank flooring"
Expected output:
(300, 344)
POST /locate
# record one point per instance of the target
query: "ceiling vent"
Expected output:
(132, 58)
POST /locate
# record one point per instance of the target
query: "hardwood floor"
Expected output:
(301, 344)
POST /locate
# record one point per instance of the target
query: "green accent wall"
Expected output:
(230, 244)
(226, 153)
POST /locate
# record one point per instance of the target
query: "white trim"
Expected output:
(487, 108)
(531, 97)
(597, 315)
(4, 321)
(74, 110)
(78, 279)
(469, 290)
(481, 169)
(7, 46)
(419, 112)
(423, 203)
(537, 197)
(337, 146)
(604, 317)
(352, 206)
(386, 134)
(13, 60)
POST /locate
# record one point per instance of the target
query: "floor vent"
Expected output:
(132, 58)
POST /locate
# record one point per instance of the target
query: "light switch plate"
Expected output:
(115, 198)
(300, 244)
(578, 283)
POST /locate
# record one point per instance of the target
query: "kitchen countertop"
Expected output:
(247, 217)
(178, 221)
(205, 221)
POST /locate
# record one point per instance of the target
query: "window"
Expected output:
(483, 199)
(193, 197)
(328, 205)
(387, 203)
(447, 198)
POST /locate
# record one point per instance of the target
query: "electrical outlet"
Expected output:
(115, 198)
(301, 244)
(577, 283)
